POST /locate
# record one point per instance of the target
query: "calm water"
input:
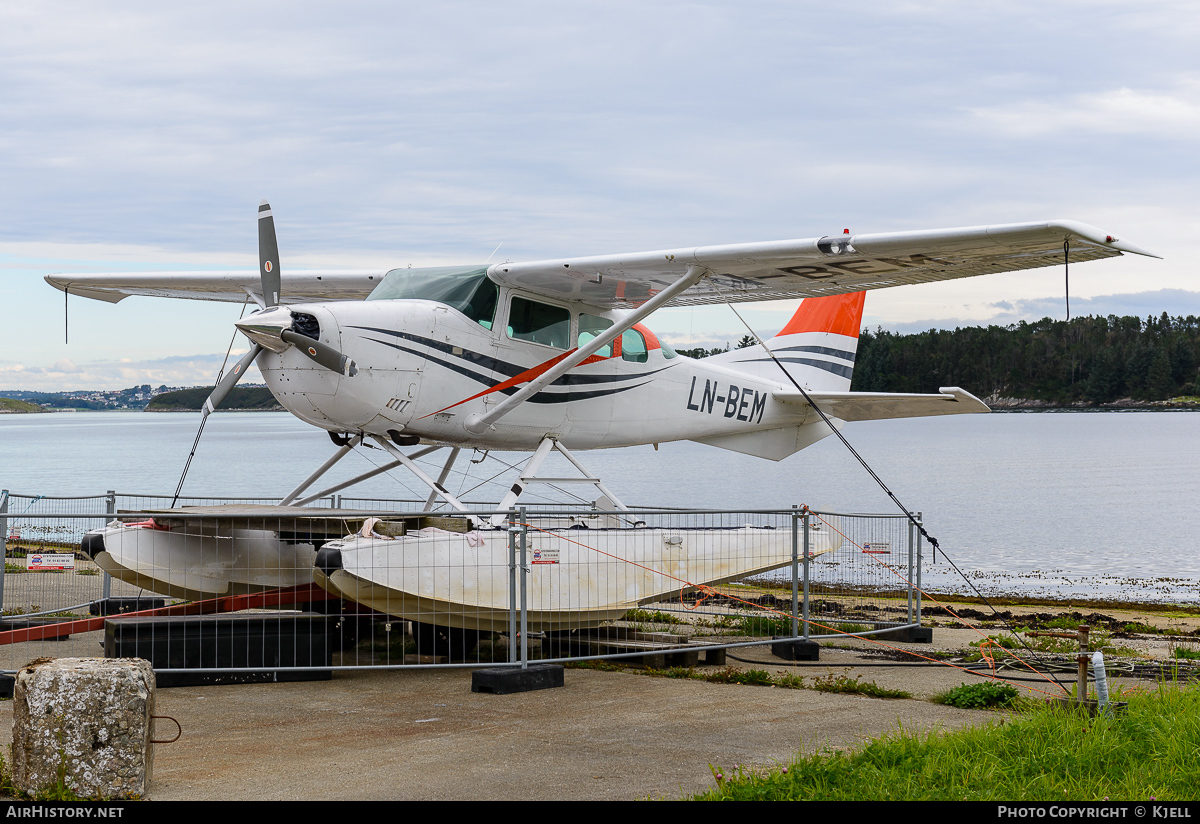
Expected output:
(1055, 503)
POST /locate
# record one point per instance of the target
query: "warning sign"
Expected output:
(878, 548)
(45, 562)
(545, 556)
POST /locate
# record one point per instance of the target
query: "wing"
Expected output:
(876, 406)
(234, 287)
(814, 267)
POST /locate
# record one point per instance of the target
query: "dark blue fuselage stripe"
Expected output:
(835, 368)
(541, 397)
(818, 350)
(510, 370)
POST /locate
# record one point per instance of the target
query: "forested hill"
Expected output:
(1088, 360)
(240, 398)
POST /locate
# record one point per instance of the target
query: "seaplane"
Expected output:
(548, 356)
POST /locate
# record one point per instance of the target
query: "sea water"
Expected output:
(1056, 504)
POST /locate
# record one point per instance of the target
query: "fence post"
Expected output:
(524, 591)
(909, 576)
(3, 540)
(110, 508)
(920, 520)
(512, 586)
(795, 571)
(807, 553)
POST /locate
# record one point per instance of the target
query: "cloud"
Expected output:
(64, 375)
(1175, 302)
(1172, 114)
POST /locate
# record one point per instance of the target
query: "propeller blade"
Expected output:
(321, 353)
(229, 379)
(268, 255)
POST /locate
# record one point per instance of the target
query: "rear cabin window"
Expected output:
(633, 346)
(539, 323)
(591, 327)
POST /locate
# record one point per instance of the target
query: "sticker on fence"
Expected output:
(878, 548)
(543, 555)
(45, 562)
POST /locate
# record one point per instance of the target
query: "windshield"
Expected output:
(465, 288)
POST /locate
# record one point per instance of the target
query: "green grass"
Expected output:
(980, 695)
(756, 678)
(1047, 754)
(647, 617)
(1185, 653)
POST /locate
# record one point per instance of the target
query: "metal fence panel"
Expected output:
(246, 589)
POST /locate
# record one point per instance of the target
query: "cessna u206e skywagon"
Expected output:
(540, 356)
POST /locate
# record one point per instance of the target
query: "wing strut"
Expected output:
(477, 424)
(321, 470)
(529, 476)
(440, 490)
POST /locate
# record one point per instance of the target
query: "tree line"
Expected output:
(1087, 359)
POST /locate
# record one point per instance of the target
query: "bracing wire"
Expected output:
(907, 513)
(204, 418)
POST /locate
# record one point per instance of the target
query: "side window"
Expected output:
(633, 346)
(539, 323)
(590, 327)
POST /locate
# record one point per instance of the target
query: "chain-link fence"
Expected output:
(239, 587)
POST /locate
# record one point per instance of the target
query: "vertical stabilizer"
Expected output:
(817, 345)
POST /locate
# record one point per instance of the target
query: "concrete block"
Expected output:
(87, 719)
(505, 680)
(909, 635)
(791, 650)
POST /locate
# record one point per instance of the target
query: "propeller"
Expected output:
(268, 256)
(273, 328)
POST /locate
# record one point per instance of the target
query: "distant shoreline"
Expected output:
(1123, 405)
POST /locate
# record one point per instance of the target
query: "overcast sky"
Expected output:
(142, 136)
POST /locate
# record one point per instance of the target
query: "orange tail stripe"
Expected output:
(839, 314)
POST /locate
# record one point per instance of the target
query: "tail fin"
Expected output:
(817, 346)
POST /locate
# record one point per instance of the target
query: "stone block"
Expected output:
(86, 719)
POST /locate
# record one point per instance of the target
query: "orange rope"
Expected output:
(710, 592)
(985, 639)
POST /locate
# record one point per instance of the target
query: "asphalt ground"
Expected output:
(422, 734)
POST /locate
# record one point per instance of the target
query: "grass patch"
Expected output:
(759, 678)
(647, 617)
(760, 625)
(855, 686)
(732, 675)
(1185, 653)
(981, 695)
(1047, 754)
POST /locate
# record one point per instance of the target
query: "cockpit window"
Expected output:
(539, 323)
(465, 288)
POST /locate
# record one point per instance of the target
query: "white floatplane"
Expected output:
(541, 356)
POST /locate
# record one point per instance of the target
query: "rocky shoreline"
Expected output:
(1002, 404)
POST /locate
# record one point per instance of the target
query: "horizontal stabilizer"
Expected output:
(875, 406)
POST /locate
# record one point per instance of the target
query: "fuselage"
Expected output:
(425, 365)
